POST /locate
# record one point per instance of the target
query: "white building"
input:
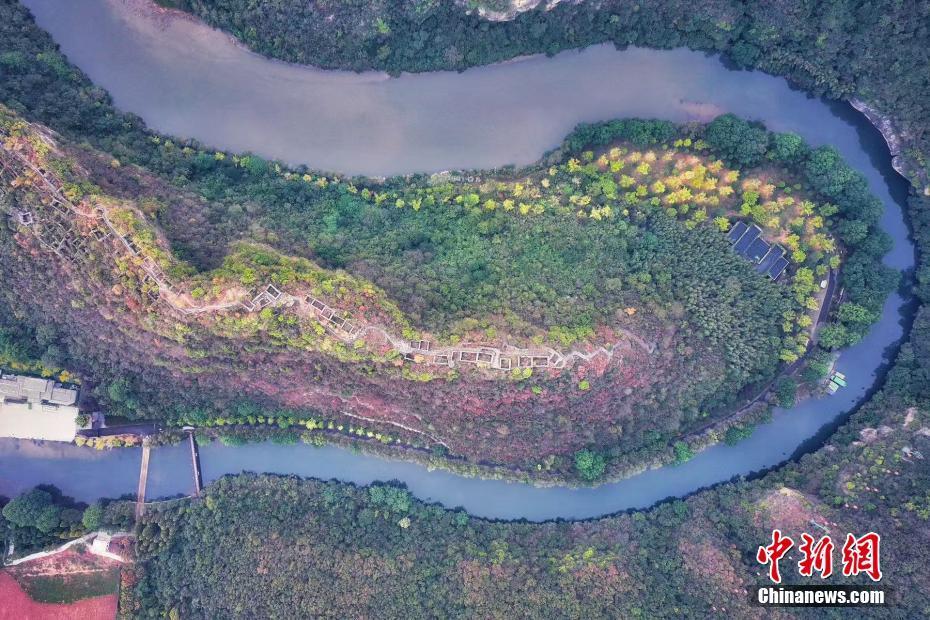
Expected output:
(34, 408)
(101, 543)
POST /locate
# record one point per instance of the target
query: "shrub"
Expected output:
(736, 434)
(786, 392)
(231, 440)
(92, 516)
(683, 452)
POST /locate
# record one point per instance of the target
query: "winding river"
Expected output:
(187, 80)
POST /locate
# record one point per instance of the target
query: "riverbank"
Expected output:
(807, 113)
(90, 474)
(897, 146)
(748, 416)
(607, 136)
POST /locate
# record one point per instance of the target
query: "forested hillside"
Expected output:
(384, 552)
(660, 258)
(263, 546)
(606, 260)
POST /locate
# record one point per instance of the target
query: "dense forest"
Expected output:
(386, 553)
(42, 517)
(266, 546)
(569, 253)
(338, 550)
(747, 323)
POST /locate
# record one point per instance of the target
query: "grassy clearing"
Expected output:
(70, 588)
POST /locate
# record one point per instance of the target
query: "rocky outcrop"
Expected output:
(896, 141)
(513, 8)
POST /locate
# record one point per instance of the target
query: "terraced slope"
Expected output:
(593, 300)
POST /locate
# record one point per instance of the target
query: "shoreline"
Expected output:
(894, 145)
(895, 141)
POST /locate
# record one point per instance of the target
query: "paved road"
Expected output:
(142, 429)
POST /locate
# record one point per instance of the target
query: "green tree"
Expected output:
(736, 434)
(817, 367)
(788, 148)
(683, 452)
(834, 336)
(740, 142)
(786, 392)
(35, 508)
(854, 313)
(589, 464)
(853, 232)
(232, 440)
(92, 516)
(119, 390)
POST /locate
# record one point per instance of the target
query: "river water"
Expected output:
(184, 79)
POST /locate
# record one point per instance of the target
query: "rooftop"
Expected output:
(34, 390)
(34, 408)
(747, 241)
(22, 420)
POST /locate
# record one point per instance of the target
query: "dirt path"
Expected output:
(306, 305)
(71, 543)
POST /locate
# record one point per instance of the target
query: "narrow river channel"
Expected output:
(185, 79)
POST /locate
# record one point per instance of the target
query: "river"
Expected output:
(185, 79)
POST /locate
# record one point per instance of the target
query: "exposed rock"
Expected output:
(790, 510)
(515, 8)
(868, 435)
(895, 141)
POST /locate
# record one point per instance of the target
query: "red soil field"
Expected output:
(16, 605)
